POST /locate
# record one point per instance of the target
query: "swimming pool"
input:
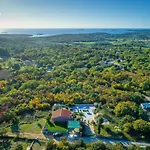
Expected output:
(83, 106)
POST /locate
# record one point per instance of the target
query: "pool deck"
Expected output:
(86, 109)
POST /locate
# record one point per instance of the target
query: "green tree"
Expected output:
(80, 148)
(16, 66)
(79, 143)
(119, 146)
(19, 147)
(51, 145)
(98, 146)
(128, 127)
(127, 118)
(2, 131)
(147, 148)
(145, 85)
(141, 126)
(99, 125)
(126, 108)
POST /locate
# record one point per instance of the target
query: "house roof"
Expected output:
(4, 74)
(61, 113)
(73, 124)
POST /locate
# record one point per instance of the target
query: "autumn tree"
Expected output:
(126, 108)
(142, 127)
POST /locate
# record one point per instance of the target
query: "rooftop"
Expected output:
(61, 112)
(145, 105)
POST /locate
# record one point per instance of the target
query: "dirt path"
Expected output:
(28, 135)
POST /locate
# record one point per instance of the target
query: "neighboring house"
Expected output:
(145, 106)
(28, 63)
(105, 121)
(61, 115)
(58, 106)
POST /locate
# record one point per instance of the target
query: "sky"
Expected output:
(74, 13)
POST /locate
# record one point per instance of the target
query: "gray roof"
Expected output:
(4, 74)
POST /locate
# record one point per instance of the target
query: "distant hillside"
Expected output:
(4, 52)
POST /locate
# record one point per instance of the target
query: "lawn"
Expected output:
(35, 127)
(56, 127)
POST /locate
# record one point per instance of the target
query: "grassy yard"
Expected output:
(56, 127)
(35, 127)
(103, 132)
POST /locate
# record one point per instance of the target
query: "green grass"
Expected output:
(36, 146)
(3, 99)
(103, 132)
(35, 127)
(56, 127)
(128, 41)
(129, 137)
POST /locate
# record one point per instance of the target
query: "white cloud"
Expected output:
(0, 14)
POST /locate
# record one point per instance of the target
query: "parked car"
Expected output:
(57, 134)
(75, 136)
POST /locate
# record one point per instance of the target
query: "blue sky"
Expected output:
(74, 13)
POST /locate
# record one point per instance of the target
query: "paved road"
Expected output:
(112, 141)
(85, 139)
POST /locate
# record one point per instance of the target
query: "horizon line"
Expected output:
(80, 28)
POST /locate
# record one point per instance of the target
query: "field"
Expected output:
(35, 127)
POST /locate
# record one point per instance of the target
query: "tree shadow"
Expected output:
(38, 141)
(112, 133)
(39, 125)
(51, 124)
(87, 131)
(15, 128)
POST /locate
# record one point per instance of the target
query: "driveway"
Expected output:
(112, 141)
(92, 139)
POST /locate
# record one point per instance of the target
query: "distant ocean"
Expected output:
(50, 32)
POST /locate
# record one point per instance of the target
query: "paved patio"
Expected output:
(87, 110)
